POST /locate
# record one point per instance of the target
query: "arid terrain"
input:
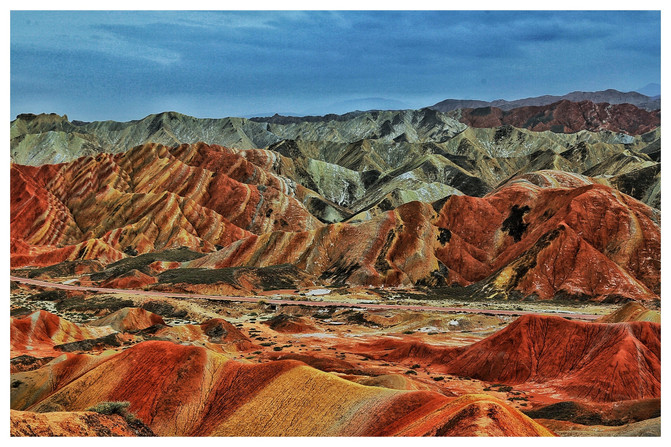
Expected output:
(461, 270)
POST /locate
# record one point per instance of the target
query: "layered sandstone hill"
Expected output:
(366, 161)
(547, 234)
(144, 200)
(129, 319)
(42, 336)
(597, 362)
(632, 311)
(281, 398)
(567, 117)
(38, 333)
(532, 236)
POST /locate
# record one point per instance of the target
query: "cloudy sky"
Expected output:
(97, 65)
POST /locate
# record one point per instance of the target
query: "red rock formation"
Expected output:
(216, 334)
(190, 391)
(320, 362)
(391, 250)
(544, 234)
(588, 240)
(146, 199)
(567, 117)
(83, 423)
(290, 324)
(22, 254)
(39, 332)
(591, 361)
(133, 279)
(129, 319)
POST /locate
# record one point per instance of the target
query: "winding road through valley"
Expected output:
(372, 306)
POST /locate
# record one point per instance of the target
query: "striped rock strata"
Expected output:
(281, 398)
(546, 235)
(597, 362)
(144, 200)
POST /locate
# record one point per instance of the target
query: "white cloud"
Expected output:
(82, 31)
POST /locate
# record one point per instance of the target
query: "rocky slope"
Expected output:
(589, 361)
(321, 386)
(147, 199)
(566, 117)
(367, 161)
(535, 235)
(269, 399)
(39, 139)
(81, 423)
(38, 334)
(632, 311)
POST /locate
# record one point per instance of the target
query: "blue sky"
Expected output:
(98, 65)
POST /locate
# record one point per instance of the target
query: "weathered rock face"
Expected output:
(543, 235)
(595, 362)
(39, 332)
(269, 399)
(82, 423)
(573, 240)
(134, 279)
(632, 311)
(567, 117)
(62, 140)
(146, 199)
(601, 362)
(361, 163)
(129, 319)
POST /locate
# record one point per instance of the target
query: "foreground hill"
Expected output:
(589, 361)
(271, 399)
(82, 423)
(550, 367)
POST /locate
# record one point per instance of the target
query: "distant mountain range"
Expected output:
(653, 90)
(565, 117)
(609, 96)
(368, 162)
(380, 198)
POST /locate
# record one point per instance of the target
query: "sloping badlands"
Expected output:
(597, 362)
(548, 234)
(280, 398)
(37, 333)
(543, 234)
(144, 200)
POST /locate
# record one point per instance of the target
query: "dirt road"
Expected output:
(371, 306)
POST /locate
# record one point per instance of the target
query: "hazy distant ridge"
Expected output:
(610, 96)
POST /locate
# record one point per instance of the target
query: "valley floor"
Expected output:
(340, 332)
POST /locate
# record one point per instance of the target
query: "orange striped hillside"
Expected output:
(192, 391)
